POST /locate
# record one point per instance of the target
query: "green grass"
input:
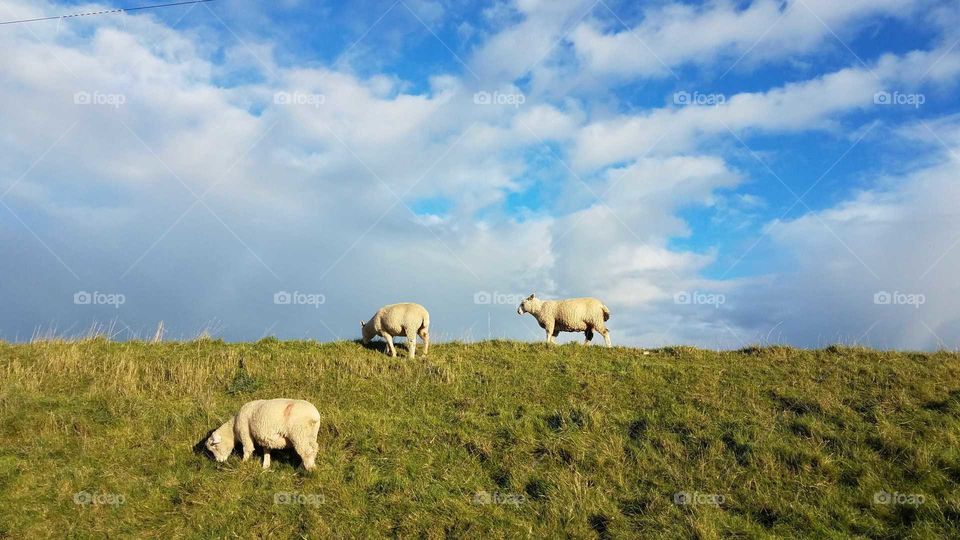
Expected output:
(575, 441)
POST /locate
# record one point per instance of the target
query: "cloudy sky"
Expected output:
(719, 173)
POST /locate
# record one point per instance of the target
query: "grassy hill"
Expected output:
(497, 439)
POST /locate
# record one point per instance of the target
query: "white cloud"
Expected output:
(813, 104)
(515, 50)
(676, 34)
(617, 247)
(898, 238)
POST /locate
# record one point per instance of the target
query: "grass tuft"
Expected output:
(243, 382)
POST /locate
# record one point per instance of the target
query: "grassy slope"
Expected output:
(595, 441)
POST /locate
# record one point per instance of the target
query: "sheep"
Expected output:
(270, 424)
(572, 315)
(407, 319)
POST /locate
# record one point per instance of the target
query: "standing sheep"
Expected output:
(270, 424)
(408, 320)
(573, 315)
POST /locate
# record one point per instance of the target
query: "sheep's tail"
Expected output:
(425, 323)
(606, 312)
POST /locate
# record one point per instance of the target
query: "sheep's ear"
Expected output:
(215, 438)
(362, 323)
(532, 296)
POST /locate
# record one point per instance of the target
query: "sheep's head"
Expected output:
(366, 331)
(528, 305)
(220, 442)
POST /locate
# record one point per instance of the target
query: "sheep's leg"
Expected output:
(588, 336)
(550, 334)
(606, 337)
(425, 336)
(266, 458)
(412, 344)
(390, 348)
(247, 441)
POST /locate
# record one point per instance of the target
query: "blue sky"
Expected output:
(341, 150)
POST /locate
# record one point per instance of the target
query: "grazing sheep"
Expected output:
(573, 315)
(408, 320)
(270, 424)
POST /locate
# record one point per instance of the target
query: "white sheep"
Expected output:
(408, 320)
(270, 424)
(573, 315)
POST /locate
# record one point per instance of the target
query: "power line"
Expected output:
(104, 12)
